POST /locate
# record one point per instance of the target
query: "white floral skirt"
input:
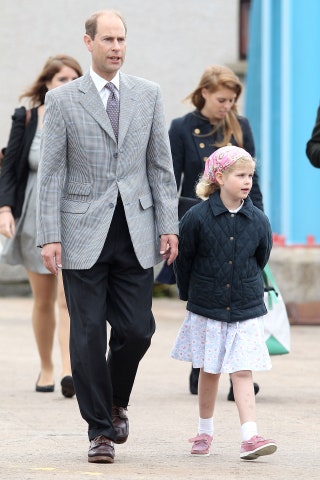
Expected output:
(221, 347)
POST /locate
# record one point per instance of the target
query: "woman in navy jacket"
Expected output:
(213, 124)
(195, 136)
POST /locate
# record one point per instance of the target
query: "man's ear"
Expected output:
(88, 42)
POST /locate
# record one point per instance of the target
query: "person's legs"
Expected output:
(193, 380)
(44, 289)
(208, 390)
(230, 396)
(86, 297)
(132, 325)
(244, 395)
(193, 384)
(119, 290)
(253, 445)
(128, 308)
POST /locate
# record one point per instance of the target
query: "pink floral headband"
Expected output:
(222, 159)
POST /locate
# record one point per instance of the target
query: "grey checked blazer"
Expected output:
(82, 169)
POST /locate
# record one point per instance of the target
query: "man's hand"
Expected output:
(169, 247)
(51, 257)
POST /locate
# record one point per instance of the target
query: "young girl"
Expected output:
(224, 244)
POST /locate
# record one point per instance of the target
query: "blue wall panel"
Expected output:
(282, 96)
(305, 91)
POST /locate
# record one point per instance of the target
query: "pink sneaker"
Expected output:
(256, 447)
(201, 445)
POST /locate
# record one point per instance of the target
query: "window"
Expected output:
(244, 28)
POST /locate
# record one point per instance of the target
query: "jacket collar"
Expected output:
(218, 208)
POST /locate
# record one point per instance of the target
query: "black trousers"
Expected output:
(118, 290)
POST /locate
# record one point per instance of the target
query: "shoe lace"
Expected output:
(119, 411)
(200, 440)
(102, 440)
(255, 439)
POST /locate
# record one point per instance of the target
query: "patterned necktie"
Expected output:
(113, 108)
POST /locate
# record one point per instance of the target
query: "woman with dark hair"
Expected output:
(18, 221)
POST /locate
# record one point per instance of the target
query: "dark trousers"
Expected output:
(118, 290)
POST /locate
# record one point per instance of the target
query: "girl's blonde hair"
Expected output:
(205, 188)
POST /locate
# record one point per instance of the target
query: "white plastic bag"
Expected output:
(276, 322)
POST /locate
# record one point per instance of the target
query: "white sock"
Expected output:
(248, 430)
(205, 426)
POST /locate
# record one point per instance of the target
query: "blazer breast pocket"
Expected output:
(139, 129)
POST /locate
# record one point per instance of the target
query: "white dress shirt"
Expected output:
(100, 84)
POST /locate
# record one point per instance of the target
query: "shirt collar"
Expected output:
(100, 82)
(237, 209)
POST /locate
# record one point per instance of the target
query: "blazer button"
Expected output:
(111, 205)
(201, 145)
(196, 131)
(115, 155)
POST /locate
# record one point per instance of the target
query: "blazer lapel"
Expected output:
(127, 105)
(91, 102)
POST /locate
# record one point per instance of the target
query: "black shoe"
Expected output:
(231, 396)
(67, 387)
(121, 423)
(193, 380)
(44, 388)
(101, 450)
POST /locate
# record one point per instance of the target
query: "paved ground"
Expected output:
(43, 436)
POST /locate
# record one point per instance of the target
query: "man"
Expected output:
(107, 214)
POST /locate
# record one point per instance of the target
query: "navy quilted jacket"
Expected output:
(220, 261)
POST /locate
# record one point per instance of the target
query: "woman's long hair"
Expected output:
(213, 78)
(37, 91)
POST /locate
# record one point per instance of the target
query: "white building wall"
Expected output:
(169, 41)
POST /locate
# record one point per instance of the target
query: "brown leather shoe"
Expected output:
(101, 450)
(120, 423)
